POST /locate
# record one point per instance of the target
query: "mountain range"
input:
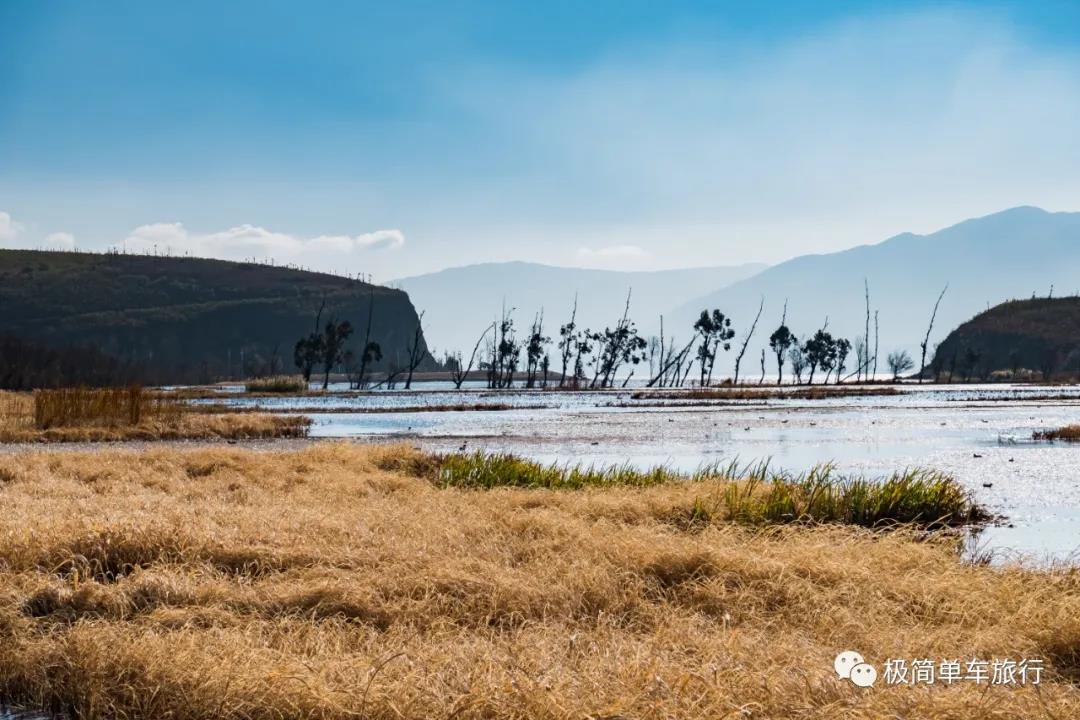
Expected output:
(1017, 253)
(1013, 254)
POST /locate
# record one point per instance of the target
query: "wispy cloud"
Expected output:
(254, 242)
(9, 229)
(764, 149)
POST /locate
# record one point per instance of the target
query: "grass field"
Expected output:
(345, 581)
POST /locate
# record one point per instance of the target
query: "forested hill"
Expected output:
(187, 319)
(1037, 337)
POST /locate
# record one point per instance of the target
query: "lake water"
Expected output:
(980, 434)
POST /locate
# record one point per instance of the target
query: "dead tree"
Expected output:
(567, 333)
(746, 342)
(866, 335)
(369, 351)
(461, 374)
(876, 335)
(930, 329)
(673, 361)
(416, 353)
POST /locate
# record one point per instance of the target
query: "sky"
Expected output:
(394, 139)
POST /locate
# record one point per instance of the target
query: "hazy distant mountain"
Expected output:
(1008, 255)
(460, 302)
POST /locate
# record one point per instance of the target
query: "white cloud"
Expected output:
(382, 239)
(8, 227)
(59, 241)
(251, 241)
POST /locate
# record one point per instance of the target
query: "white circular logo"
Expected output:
(845, 661)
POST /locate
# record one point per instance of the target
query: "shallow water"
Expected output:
(980, 434)
(11, 713)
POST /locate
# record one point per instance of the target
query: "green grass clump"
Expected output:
(491, 470)
(277, 384)
(752, 495)
(914, 496)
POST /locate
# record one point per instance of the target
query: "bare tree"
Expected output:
(875, 342)
(370, 351)
(673, 361)
(460, 374)
(864, 362)
(899, 362)
(567, 334)
(333, 346)
(746, 342)
(761, 381)
(930, 329)
(415, 350)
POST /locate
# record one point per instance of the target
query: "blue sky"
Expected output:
(399, 138)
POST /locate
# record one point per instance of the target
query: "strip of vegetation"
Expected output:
(916, 496)
(1069, 433)
(491, 470)
(750, 495)
(105, 415)
(365, 410)
(810, 392)
(276, 385)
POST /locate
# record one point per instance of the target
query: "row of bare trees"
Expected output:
(603, 358)
(594, 358)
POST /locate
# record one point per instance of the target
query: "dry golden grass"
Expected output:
(276, 385)
(20, 415)
(322, 583)
(1069, 433)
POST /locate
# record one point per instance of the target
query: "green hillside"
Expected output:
(1037, 338)
(186, 319)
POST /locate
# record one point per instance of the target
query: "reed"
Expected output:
(82, 415)
(16, 410)
(100, 407)
(277, 384)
